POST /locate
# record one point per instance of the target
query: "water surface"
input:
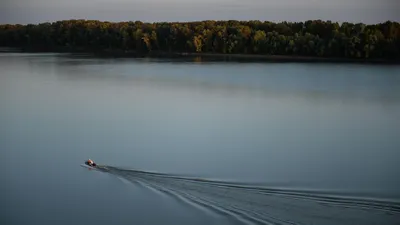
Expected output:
(285, 129)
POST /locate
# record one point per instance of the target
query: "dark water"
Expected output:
(231, 143)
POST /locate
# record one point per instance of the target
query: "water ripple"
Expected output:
(245, 204)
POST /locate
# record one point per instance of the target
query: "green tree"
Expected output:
(309, 38)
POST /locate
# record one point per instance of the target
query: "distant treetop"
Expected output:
(314, 38)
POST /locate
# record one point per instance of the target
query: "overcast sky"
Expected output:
(36, 11)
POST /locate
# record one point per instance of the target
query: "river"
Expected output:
(197, 142)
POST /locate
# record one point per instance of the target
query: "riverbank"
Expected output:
(205, 56)
(288, 58)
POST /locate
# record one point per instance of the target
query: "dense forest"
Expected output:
(311, 38)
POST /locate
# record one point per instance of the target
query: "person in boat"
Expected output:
(90, 162)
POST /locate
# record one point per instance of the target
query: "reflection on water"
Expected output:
(349, 83)
(300, 126)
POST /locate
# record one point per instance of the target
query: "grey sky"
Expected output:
(35, 11)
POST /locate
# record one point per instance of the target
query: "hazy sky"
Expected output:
(35, 11)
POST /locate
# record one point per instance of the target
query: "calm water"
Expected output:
(270, 140)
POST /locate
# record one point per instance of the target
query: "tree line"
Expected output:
(313, 38)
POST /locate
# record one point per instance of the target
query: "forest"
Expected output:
(313, 38)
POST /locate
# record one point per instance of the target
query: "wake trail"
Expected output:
(249, 204)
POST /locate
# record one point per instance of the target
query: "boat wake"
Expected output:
(246, 204)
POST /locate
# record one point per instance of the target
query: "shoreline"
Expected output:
(292, 58)
(201, 56)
